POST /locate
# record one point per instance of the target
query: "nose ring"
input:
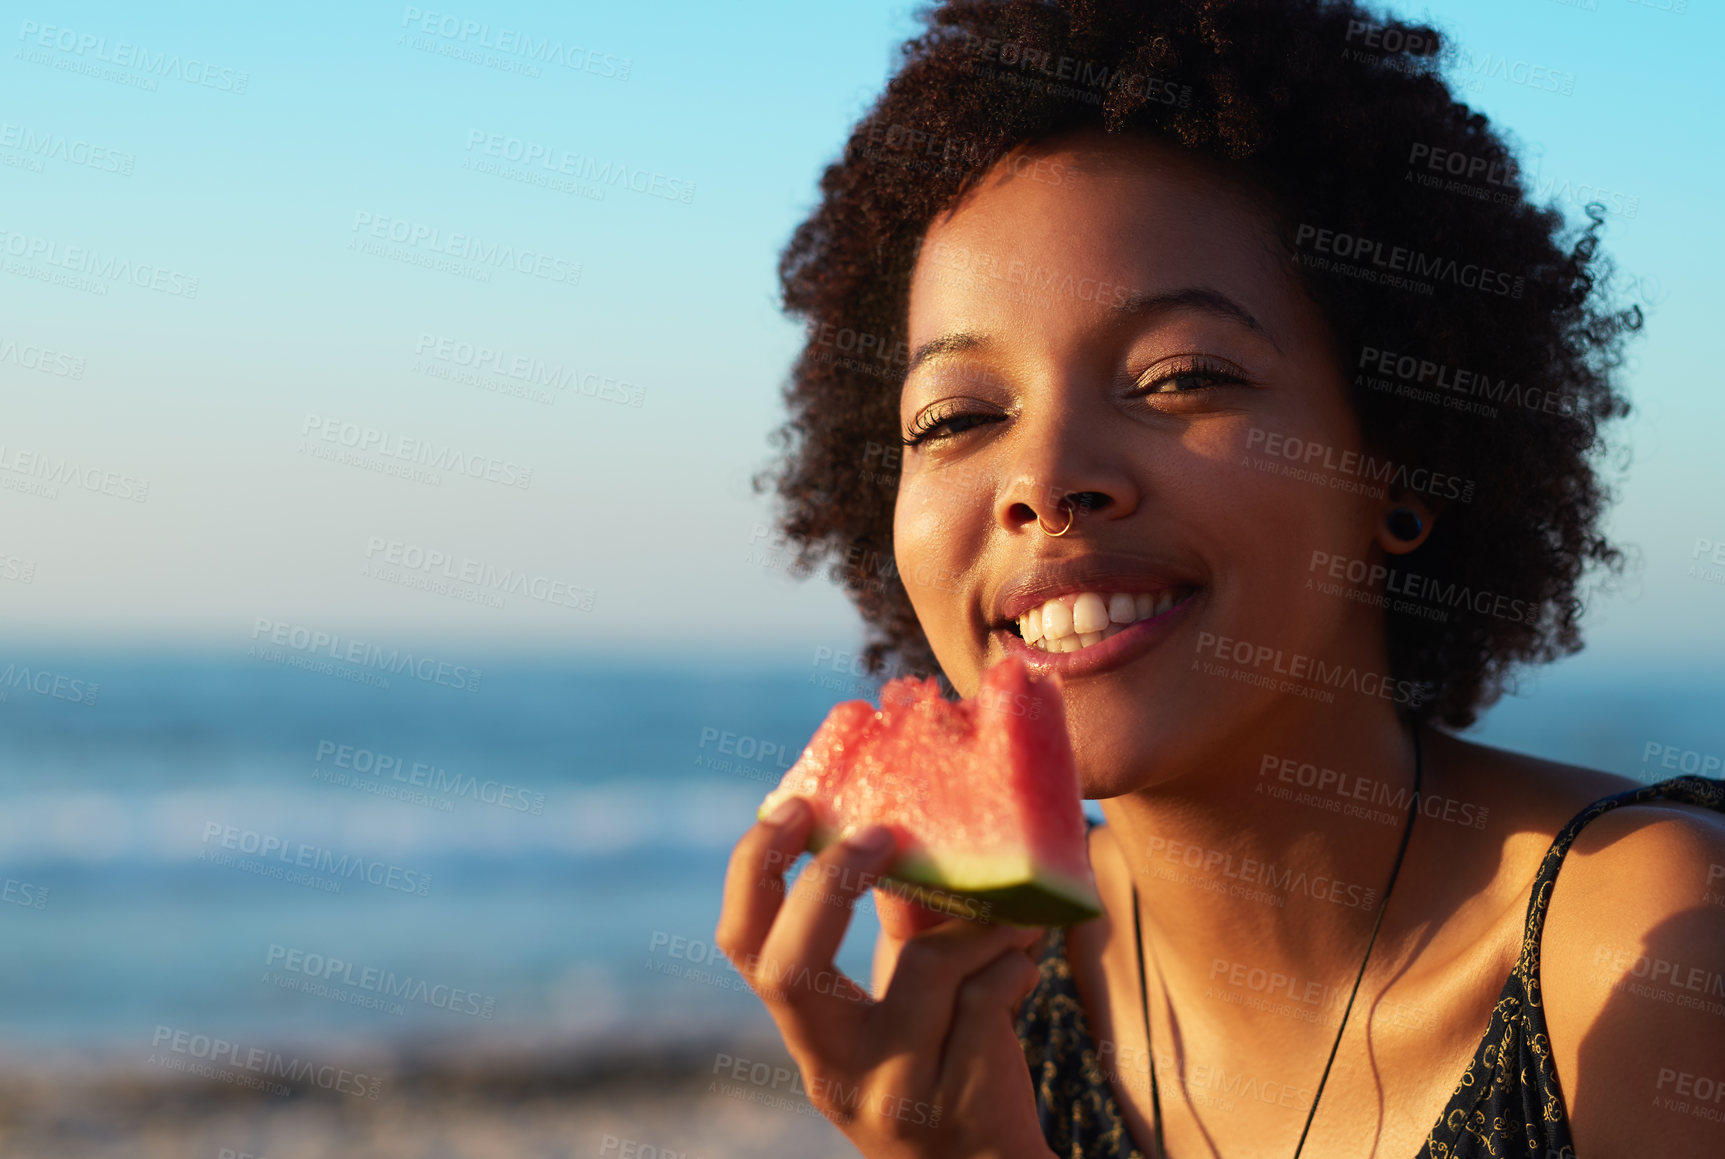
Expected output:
(1071, 515)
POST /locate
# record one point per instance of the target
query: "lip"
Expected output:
(1120, 649)
(1104, 574)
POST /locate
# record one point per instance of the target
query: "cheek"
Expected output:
(1274, 515)
(1305, 487)
(939, 534)
(1241, 507)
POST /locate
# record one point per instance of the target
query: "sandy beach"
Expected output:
(628, 1108)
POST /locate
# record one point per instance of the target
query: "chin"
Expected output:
(1110, 765)
(1106, 788)
(1139, 740)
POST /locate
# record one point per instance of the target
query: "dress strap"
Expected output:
(1509, 1100)
(1702, 791)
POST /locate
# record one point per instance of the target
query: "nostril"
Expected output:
(1022, 512)
(1089, 500)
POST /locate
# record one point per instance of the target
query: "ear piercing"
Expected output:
(1404, 523)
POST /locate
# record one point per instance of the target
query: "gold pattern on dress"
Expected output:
(1507, 1104)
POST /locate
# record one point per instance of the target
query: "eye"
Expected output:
(945, 420)
(1187, 377)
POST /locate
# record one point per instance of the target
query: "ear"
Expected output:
(1404, 525)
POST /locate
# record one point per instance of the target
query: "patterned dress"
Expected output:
(1508, 1102)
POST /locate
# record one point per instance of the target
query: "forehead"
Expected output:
(1054, 236)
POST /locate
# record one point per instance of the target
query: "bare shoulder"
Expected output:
(1106, 858)
(1632, 957)
(1530, 794)
(1113, 885)
(1518, 804)
(1632, 973)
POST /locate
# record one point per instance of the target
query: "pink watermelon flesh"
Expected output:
(982, 795)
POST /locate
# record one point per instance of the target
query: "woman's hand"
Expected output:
(933, 1067)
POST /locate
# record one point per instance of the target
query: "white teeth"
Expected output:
(1089, 615)
(1068, 623)
(1030, 625)
(1056, 619)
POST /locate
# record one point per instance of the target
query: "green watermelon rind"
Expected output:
(1032, 903)
(1037, 899)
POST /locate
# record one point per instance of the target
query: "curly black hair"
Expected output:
(1346, 122)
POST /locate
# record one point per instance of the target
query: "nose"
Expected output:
(1064, 511)
(1062, 500)
(1069, 461)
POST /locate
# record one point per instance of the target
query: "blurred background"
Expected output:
(392, 644)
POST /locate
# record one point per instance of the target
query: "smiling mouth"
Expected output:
(1078, 620)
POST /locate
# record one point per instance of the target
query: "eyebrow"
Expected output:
(1136, 306)
(1194, 298)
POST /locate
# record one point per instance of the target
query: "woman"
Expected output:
(1193, 377)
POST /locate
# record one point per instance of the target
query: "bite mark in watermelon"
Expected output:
(982, 795)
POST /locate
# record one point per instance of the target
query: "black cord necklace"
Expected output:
(1144, 984)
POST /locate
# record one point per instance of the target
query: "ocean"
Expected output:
(224, 846)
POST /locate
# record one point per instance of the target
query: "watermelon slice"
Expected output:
(982, 795)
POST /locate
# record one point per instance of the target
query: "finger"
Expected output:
(932, 966)
(803, 941)
(922, 995)
(982, 1022)
(901, 917)
(900, 920)
(755, 882)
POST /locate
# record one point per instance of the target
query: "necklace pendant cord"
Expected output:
(1377, 923)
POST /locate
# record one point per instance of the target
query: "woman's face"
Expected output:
(1111, 317)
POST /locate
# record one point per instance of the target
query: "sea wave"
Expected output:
(365, 815)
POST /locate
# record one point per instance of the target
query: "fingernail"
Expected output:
(871, 839)
(786, 812)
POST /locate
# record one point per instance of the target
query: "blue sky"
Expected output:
(362, 123)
